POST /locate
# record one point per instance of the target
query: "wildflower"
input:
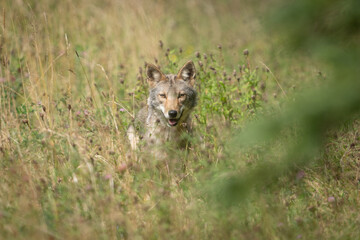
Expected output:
(122, 167)
(300, 175)
(107, 176)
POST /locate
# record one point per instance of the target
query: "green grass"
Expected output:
(71, 80)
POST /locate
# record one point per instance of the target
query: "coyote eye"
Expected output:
(182, 95)
(162, 95)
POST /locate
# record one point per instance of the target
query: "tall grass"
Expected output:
(72, 78)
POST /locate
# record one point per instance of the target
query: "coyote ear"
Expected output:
(154, 74)
(188, 73)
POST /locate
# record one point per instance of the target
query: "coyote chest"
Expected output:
(157, 133)
(166, 118)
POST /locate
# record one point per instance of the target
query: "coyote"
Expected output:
(172, 97)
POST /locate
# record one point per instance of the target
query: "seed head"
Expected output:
(262, 86)
(161, 44)
(200, 63)
(180, 50)
(246, 52)
(197, 54)
(219, 46)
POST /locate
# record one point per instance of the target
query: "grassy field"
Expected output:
(71, 80)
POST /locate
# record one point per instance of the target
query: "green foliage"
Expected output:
(229, 96)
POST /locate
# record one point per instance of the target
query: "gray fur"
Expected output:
(152, 123)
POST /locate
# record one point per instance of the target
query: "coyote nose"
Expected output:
(172, 113)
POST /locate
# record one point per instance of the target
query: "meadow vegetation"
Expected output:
(72, 76)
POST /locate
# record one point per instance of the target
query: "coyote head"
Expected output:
(172, 96)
